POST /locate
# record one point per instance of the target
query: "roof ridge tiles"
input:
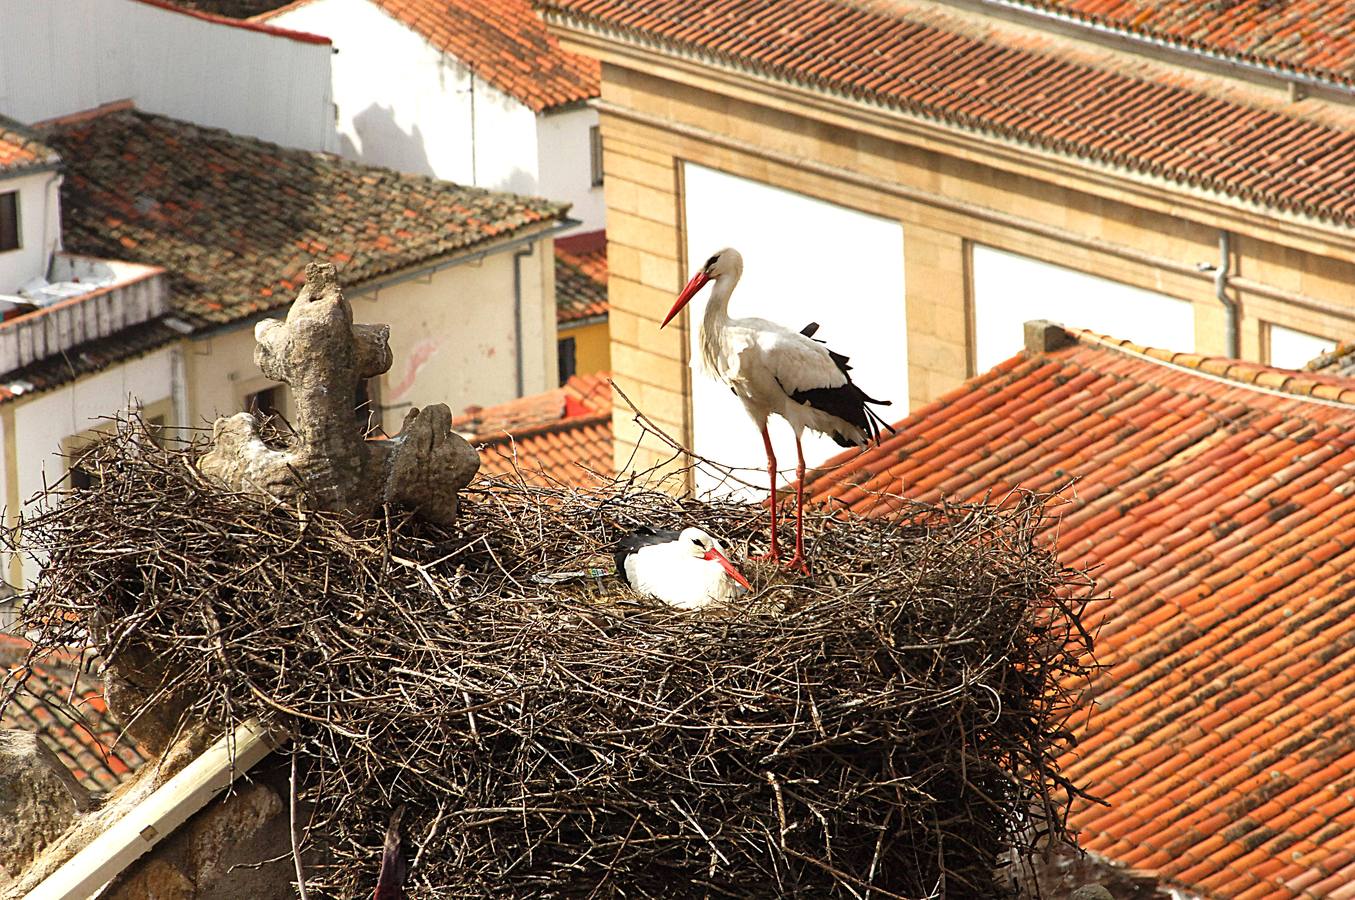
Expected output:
(1242, 373)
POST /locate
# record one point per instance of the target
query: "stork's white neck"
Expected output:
(716, 319)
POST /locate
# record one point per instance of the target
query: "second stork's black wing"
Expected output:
(642, 537)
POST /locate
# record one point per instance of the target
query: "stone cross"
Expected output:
(322, 354)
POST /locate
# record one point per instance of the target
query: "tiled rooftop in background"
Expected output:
(504, 41)
(1340, 361)
(910, 57)
(1214, 501)
(1314, 36)
(21, 149)
(82, 733)
(560, 436)
(580, 284)
(235, 220)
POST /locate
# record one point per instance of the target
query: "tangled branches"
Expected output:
(884, 729)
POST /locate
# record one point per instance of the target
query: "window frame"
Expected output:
(595, 155)
(10, 198)
(567, 349)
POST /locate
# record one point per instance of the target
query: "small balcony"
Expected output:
(81, 299)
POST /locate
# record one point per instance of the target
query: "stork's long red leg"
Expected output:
(798, 560)
(773, 553)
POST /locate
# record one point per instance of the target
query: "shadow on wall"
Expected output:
(391, 146)
(519, 181)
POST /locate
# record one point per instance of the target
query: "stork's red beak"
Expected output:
(734, 573)
(697, 283)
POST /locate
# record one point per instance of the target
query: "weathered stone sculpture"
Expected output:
(321, 354)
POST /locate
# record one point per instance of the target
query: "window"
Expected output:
(9, 221)
(852, 257)
(569, 364)
(595, 153)
(83, 477)
(263, 403)
(1010, 290)
(1293, 349)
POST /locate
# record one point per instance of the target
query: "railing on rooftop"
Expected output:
(135, 294)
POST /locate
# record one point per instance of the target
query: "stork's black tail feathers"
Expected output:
(848, 402)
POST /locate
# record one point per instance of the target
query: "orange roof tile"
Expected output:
(1216, 514)
(911, 57)
(235, 221)
(507, 44)
(1315, 36)
(20, 149)
(580, 284)
(64, 706)
(558, 437)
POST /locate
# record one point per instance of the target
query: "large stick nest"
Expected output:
(884, 728)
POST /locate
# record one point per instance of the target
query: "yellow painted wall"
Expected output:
(592, 347)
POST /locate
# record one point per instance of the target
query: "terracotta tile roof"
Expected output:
(235, 220)
(1214, 501)
(1340, 360)
(505, 43)
(230, 13)
(580, 285)
(1316, 36)
(561, 436)
(77, 727)
(896, 54)
(21, 149)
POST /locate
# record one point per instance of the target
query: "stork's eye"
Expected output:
(710, 263)
(696, 541)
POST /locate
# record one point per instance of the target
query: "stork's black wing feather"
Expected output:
(847, 402)
(642, 537)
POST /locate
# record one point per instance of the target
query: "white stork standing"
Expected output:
(772, 369)
(686, 569)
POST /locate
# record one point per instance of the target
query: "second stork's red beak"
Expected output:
(697, 283)
(734, 573)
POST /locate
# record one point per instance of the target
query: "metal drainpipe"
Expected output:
(474, 169)
(1221, 272)
(518, 256)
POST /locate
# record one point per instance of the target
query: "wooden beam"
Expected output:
(159, 815)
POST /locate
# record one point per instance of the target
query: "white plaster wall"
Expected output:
(805, 260)
(42, 423)
(39, 228)
(404, 105)
(1010, 290)
(566, 165)
(453, 336)
(63, 56)
(221, 373)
